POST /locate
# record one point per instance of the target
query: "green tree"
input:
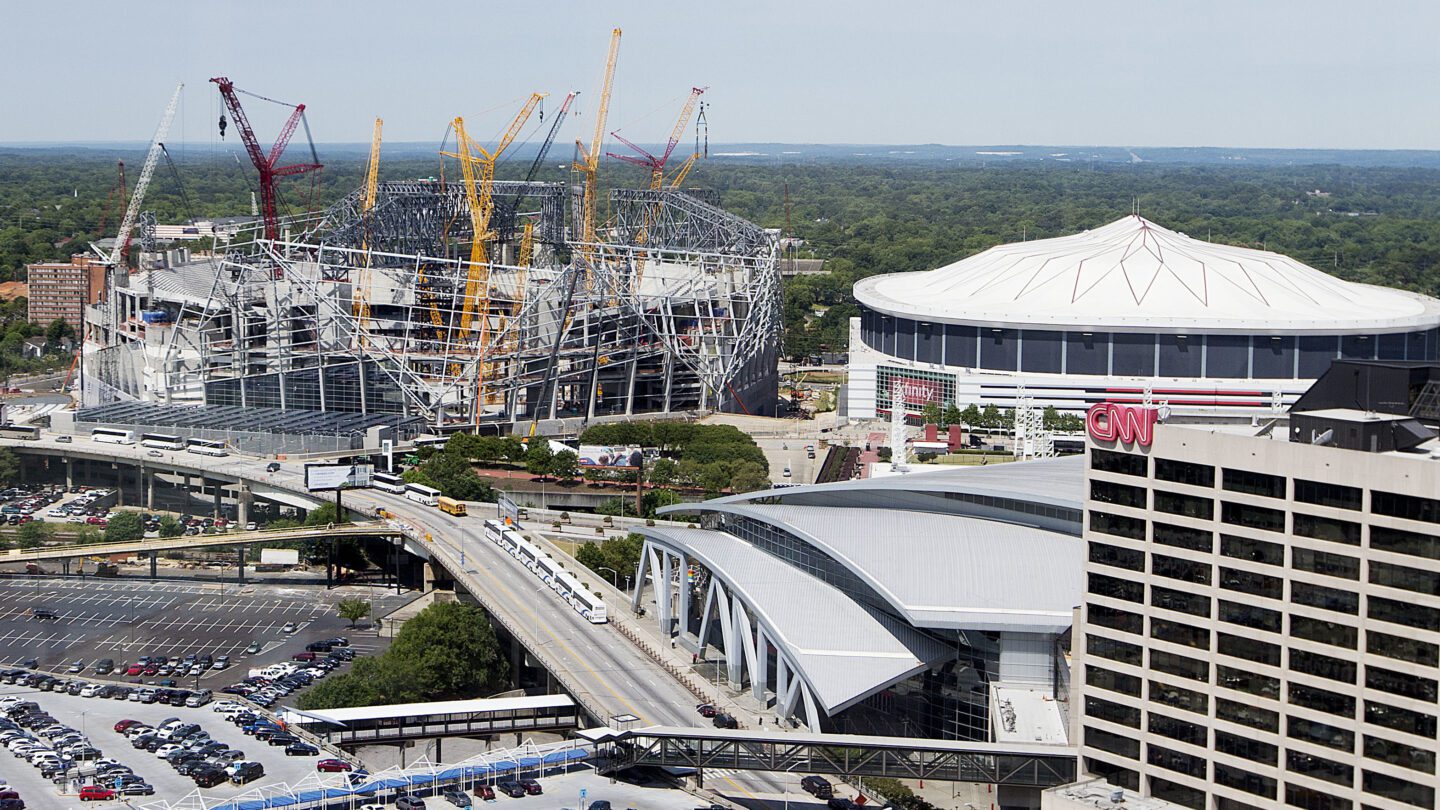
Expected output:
(747, 476)
(931, 413)
(123, 527)
(353, 609)
(513, 449)
(57, 331)
(87, 535)
(170, 527)
(990, 417)
(971, 416)
(32, 534)
(1050, 418)
(464, 445)
(537, 457)
(564, 465)
(653, 500)
(619, 554)
(9, 466)
(322, 515)
(452, 650)
(952, 415)
(714, 477)
(663, 472)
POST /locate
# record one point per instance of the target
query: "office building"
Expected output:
(63, 289)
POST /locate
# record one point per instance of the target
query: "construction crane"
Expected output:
(559, 118)
(122, 241)
(479, 193)
(656, 164)
(265, 165)
(360, 303)
(589, 165)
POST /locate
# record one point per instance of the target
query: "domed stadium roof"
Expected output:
(1133, 275)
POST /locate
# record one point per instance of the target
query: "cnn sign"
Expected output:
(1127, 424)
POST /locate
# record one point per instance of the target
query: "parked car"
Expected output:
(456, 796)
(242, 772)
(485, 792)
(512, 789)
(817, 786)
(531, 786)
(96, 793)
(408, 802)
(723, 720)
(301, 749)
(333, 766)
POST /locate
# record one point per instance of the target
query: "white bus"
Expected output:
(113, 435)
(206, 447)
(436, 443)
(547, 569)
(423, 494)
(386, 482)
(161, 441)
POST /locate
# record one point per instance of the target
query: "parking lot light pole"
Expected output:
(614, 575)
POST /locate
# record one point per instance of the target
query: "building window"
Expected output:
(1399, 683)
(1409, 507)
(1406, 720)
(1253, 517)
(1303, 593)
(1400, 576)
(1397, 789)
(1307, 799)
(1410, 615)
(1176, 729)
(1182, 537)
(1122, 463)
(1248, 648)
(1116, 619)
(1322, 700)
(1246, 548)
(1400, 541)
(1328, 529)
(1246, 748)
(1242, 681)
(1250, 616)
(1244, 780)
(1181, 601)
(1320, 734)
(1184, 472)
(1117, 588)
(1166, 790)
(1177, 633)
(1253, 483)
(1120, 494)
(1175, 568)
(1406, 756)
(1179, 698)
(1102, 678)
(1401, 648)
(1323, 494)
(1323, 562)
(1127, 558)
(1114, 774)
(1319, 767)
(1190, 506)
(1113, 743)
(1121, 651)
(1112, 712)
(1247, 715)
(1339, 635)
(1175, 761)
(1173, 664)
(1118, 525)
(1233, 579)
(1322, 666)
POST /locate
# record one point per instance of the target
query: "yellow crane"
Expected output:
(590, 166)
(361, 304)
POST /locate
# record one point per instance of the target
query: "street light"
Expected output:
(614, 575)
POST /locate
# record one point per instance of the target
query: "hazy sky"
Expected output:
(1311, 73)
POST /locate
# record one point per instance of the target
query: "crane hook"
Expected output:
(222, 126)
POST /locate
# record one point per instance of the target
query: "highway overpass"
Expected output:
(183, 542)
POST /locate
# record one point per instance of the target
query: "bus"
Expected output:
(161, 441)
(385, 482)
(113, 435)
(451, 506)
(436, 443)
(27, 433)
(548, 570)
(206, 447)
(419, 493)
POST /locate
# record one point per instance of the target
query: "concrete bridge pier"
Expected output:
(69, 473)
(244, 500)
(119, 484)
(240, 563)
(148, 483)
(219, 491)
(154, 565)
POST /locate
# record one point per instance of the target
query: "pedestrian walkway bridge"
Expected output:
(451, 718)
(154, 544)
(842, 755)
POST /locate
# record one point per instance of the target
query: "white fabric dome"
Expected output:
(1133, 275)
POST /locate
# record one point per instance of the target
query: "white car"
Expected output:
(90, 691)
(289, 627)
(56, 513)
(163, 750)
(226, 707)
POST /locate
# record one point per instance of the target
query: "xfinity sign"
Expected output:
(1127, 424)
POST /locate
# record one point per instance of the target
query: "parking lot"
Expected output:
(95, 718)
(122, 620)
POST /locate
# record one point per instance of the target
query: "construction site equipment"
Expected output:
(656, 163)
(122, 240)
(372, 180)
(590, 165)
(265, 165)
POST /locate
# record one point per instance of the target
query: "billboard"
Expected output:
(279, 556)
(322, 477)
(597, 455)
(509, 512)
(921, 392)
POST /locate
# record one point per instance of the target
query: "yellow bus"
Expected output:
(452, 506)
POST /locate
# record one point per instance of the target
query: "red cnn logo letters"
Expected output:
(1129, 424)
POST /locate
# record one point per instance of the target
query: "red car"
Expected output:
(333, 766)
(95, 793)
(135, 669)
(124, 724)
(485, 792)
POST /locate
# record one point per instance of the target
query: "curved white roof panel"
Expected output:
(1133, 275)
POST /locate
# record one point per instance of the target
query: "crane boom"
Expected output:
(143, 182)
(591, 168)
(685, 113)
(550, 137)
(656, 164)
(360, 301)
(265, 164)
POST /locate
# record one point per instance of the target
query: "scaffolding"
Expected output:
(572, 330)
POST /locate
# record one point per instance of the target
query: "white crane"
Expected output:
(138, 197)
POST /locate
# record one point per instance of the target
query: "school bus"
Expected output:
(451, 506)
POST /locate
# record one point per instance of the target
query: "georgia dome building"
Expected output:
(1129, 312)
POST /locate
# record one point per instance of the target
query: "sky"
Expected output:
(1237, 73)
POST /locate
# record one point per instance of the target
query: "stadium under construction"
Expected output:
(472, 302)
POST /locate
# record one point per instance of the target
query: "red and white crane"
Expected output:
(265, 164)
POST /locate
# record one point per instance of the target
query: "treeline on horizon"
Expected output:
(1373, 224)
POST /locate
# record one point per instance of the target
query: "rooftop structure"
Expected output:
(1128, 312)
